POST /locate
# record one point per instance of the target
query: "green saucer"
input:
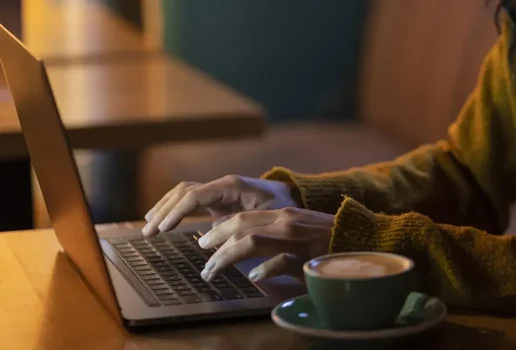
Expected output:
(420, 313)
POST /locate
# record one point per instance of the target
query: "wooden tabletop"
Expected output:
(136, 103)
(45, 305)
(63, 31)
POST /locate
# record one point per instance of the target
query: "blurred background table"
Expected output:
(64, 32)
(123, 108)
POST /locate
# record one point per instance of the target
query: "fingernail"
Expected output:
(203, 241)
(146, 230)
(205, 273)
(254, 275)
(164, 225)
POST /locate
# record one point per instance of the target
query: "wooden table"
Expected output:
(78, 31)
(45, 305)
(125, 107)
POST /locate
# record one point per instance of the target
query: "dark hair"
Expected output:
(497, 12)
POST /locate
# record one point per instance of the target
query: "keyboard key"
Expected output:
(199, 284)
(210, 296)
(139, 262)
(171, 302)
(189, 275)
(175, 282)
(170, 273)
(180, 288)
(229, 293)
(126, 249)
(161, 263)
(186, 292)
(147, 273)
(181, 266)
(135, 259)
(220, 285)
(154, 282)
(151, 278)
(161, 286)
(163, 292)
(169, 296)
(155, 259)
(192, 299)
(130, 255)
(147, 250)
(142, 268)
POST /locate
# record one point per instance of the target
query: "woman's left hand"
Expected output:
(290, 235)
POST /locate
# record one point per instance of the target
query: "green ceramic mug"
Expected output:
(359, 290)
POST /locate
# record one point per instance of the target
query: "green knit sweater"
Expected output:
(444, 205)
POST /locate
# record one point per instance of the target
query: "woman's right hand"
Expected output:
(223, 198)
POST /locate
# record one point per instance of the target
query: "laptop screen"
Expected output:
(54, 165)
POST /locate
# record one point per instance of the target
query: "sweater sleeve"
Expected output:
(466, 180)
(465, 267)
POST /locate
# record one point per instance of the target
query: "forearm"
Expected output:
(466, 267)
(428, 180)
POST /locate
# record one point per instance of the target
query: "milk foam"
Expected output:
(352, 268)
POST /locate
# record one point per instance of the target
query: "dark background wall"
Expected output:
(297, 58)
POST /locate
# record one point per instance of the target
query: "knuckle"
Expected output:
(283, 259)
(237, 236)
(289, 212)
(288, 227)
(182, 185)
(233, 179)
(252, 241)
(191, 196)
(185, 186)
(241, 218)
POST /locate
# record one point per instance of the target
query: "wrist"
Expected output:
(295, 194)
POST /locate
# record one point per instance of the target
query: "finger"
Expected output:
(281, 264)
(158, 205)
(252, 245)
(179, 188)
(238, 223)
(222, 219)
(152, 227)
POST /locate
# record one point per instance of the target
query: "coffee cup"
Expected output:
(359, 290)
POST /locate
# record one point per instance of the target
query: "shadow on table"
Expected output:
(72, 316)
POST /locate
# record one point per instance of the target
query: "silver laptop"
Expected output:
(141, 281)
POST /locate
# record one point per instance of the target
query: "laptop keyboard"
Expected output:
(170, 269)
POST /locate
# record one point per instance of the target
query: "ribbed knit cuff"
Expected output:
(315, 192)
(359, 229)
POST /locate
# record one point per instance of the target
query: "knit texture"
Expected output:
(444, 205)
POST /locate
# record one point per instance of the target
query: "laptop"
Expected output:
(141, 281)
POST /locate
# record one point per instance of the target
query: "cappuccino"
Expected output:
(360, 266)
